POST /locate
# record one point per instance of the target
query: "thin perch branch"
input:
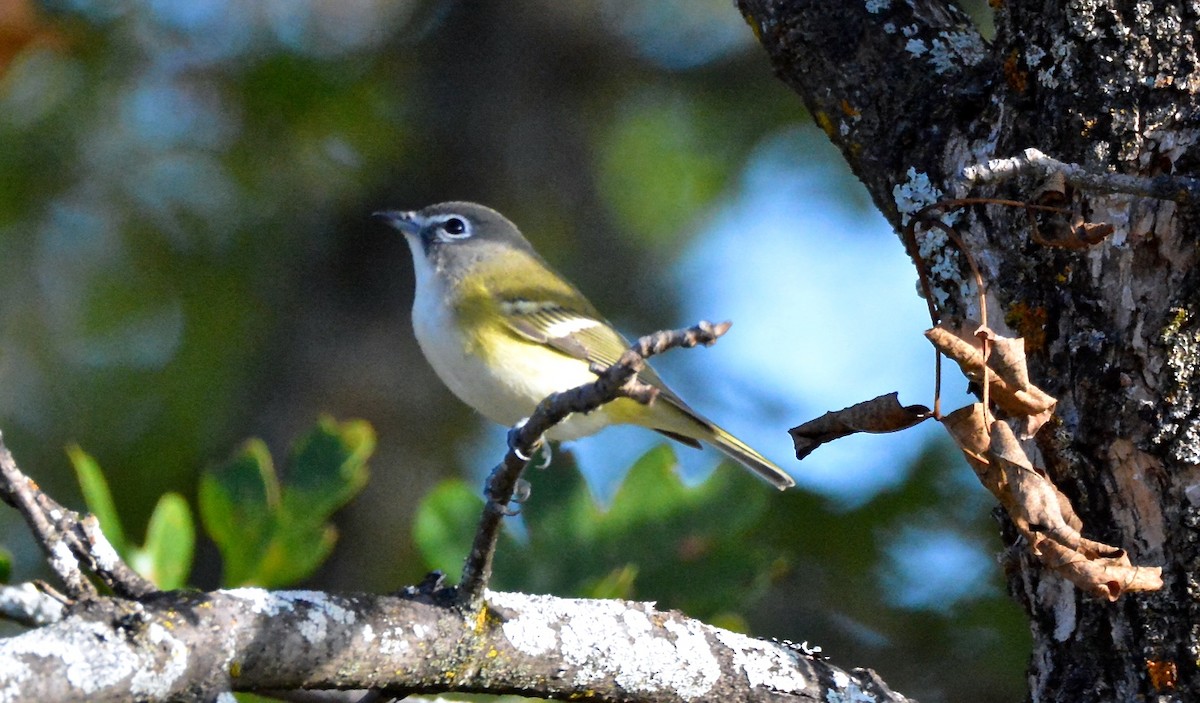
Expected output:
(1180, 189)
(616, 381)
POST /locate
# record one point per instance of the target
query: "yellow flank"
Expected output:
(479, 314)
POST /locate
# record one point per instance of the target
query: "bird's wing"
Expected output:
(577, 332)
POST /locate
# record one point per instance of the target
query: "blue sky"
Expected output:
(825, 315)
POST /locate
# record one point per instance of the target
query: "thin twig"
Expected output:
(1180, 189)
(617, 381)
(67, 538)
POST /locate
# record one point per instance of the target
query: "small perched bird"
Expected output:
(503, 330)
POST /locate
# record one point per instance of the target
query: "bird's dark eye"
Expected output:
(455, 227)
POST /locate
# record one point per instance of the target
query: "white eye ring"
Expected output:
(454, 228)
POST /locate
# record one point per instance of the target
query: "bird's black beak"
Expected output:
(403, 220)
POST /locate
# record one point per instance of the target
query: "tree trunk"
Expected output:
(908, 90)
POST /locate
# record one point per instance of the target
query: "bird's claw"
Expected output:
(521, 491)
(514, 435)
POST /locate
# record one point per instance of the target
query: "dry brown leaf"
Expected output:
(1039, 510)
(878, 415)
(1074, 236)
(1087, 234)
(968, 428)
(1007, 359)
(1032, 500)
(1102, 577)
(1009, 385)
(1044, 516)
(1033, 421)
(1068, 512)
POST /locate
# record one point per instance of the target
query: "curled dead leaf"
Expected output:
(1103, 577)
(878, 415)
(1009, 384)
(968, 427)
(1041, 512)
(1087, 234)
(1032, 500)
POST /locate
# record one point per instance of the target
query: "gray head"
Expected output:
(451, 236)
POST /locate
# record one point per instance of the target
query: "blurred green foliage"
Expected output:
(270, 532)
(166, 557)
(184, 191)
(274, 533)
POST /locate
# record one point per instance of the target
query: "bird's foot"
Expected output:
(514, 443)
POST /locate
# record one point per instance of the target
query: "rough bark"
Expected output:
(193, 646)
(909, 90)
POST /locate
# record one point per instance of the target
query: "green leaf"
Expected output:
(166, 558)
(271, 533)
(97, 496)
(445, 525)
(295, 553)
(616, 584)
(328, 467)
(5, 565)
(650, 493)
(237, 501)
(671, 130)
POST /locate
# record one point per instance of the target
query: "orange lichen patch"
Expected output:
(825, 123)
(1164, 674)
(753, 26)
(1029, 322)
(1017, 77)
(848, 109)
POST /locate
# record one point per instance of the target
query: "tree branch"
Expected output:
(185, 646)
(1033, 162)
(67, 538)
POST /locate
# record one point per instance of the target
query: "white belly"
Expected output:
(505, 392)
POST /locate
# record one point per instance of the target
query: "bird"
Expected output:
(503, 330)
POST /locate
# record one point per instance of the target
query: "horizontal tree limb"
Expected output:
(187, 646)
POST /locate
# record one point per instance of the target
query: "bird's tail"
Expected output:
(737, 450)
(679, 422)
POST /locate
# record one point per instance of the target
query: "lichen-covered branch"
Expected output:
(189, 646)
(1032, 162)
(68, 539)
